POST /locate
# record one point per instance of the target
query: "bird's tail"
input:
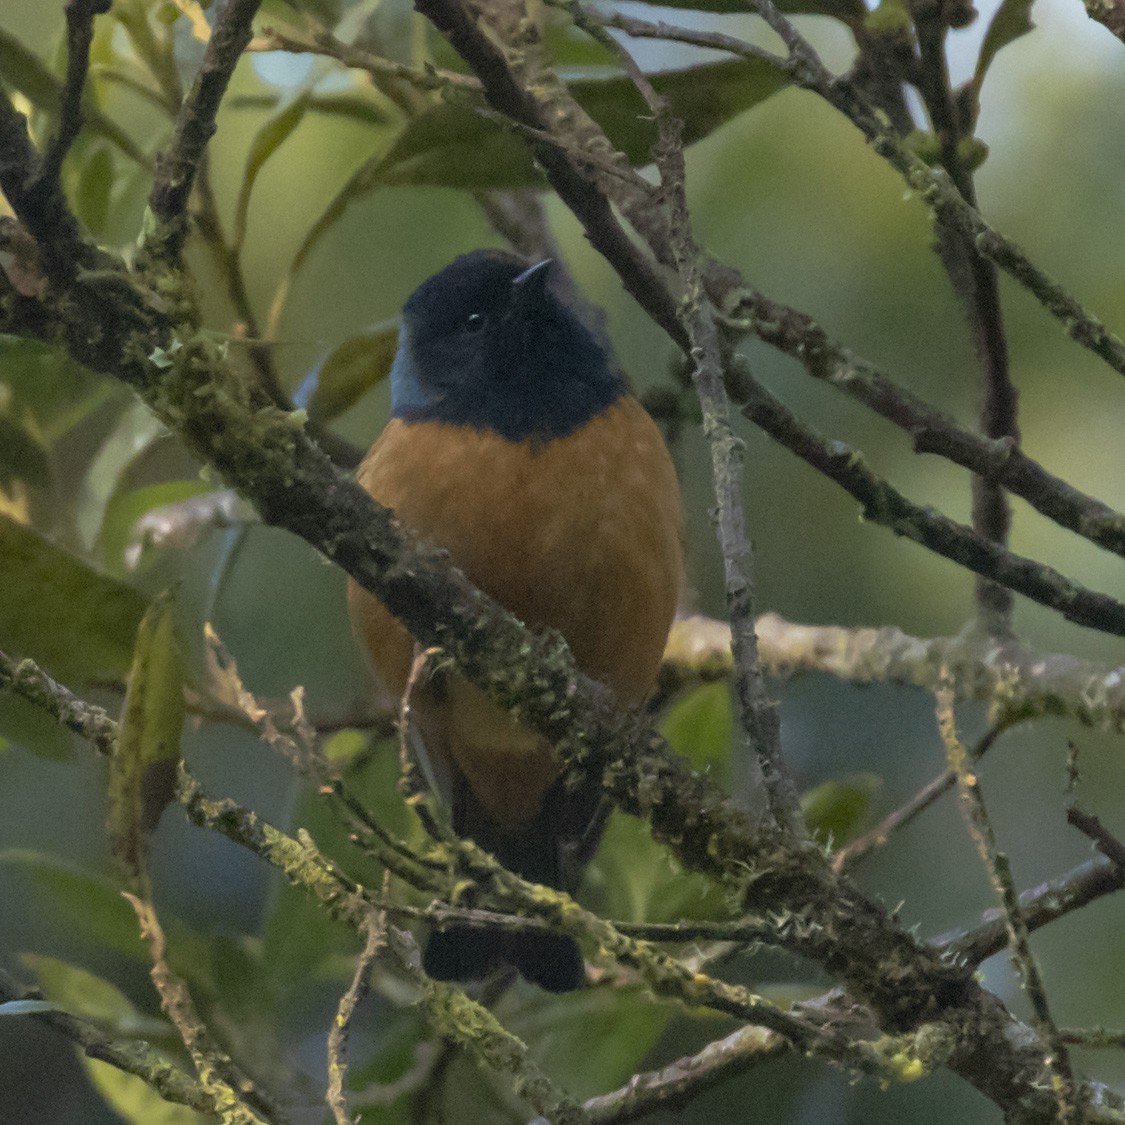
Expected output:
(552, 851)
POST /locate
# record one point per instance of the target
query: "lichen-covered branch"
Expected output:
(1018, 684)
(28, 680)
(132, 1056)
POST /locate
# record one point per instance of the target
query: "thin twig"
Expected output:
(1038, 907)
(977, 820)
(929, 793)
(217, 1072)
(1104, 840)
(885, 505)
(758, 713)
(79, 35)
(178, 165)
(338, 1034)
(932, 431)
(933, 185)
(1018, 683)
(674, 1085)
(974, 280)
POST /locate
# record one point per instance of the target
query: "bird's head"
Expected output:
(488, 343)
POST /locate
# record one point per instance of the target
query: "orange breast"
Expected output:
(581, 534)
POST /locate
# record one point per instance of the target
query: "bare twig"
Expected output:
(674, 1085)
(1018, 683)
(79, 35)
(217, 1072)
(178, 165)
(980, 829)
(758, 713)
(938, 190)
(338, 1034)
(885, 505)
(902, 816)
(973, 278)
(931, 431)
(1104, 840)
(1038, 907)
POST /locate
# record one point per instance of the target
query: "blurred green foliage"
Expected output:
(340, 194)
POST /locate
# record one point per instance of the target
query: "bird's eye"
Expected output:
(475, 322)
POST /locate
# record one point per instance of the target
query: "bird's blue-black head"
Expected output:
(486, 343)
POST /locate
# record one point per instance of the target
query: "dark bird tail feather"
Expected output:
(553, 851)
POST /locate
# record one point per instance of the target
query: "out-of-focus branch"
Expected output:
(1019, 684)
(974, 280)
(79, 35)
(931, 430)
(884, 504)
(1110, 14)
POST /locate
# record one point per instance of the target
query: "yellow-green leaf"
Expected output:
(836, 810)
(80, 991)
(142, 773)
(350, 371)
(77, 623)
(269, 138)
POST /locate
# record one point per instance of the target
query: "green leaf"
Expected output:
(1011, 21)
(25, 71)
(352, 107)
(84, 903)
(625, 1025)
(700, 726)
(350, 371)
(54, 608)
(450, 145)
(95, 185)
(268, 139)
(80, 991)
(21, 456)
(76, 990)
(48, 384)
(836, 810)
(135, 1100)
(635, 879)
(29, 726)
(142, 771)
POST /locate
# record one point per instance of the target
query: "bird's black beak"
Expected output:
(529, 287)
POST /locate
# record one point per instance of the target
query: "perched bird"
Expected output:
(515, 444)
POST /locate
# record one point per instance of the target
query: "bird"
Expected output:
(515, 444)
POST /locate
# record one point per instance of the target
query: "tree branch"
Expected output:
(178, 165)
